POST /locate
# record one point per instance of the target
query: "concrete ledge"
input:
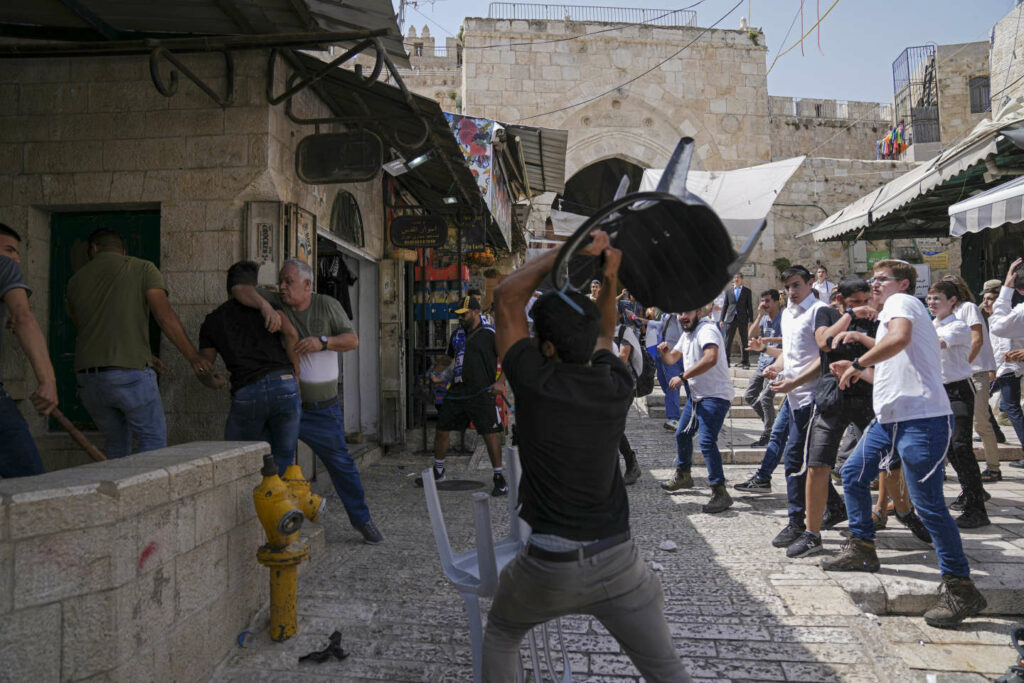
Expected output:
(133, 569)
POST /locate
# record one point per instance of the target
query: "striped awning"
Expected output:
(998, 206)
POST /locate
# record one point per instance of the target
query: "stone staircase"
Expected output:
(742, 426)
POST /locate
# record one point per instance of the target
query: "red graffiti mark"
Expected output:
(150, 548)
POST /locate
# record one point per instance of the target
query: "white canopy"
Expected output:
(1002, 204)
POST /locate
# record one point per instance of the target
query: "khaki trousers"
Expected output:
(981, 423)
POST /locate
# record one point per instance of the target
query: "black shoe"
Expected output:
(833, 517)
(808, 543)
(916, 526)
(500, 486)
(787, 536)
(1019, 464)
(857, 555)
(438, 476)
(958, 504)
(837, 476)
(754, 485)
(760, 443)
(633, 471)
(958, 600)
(973, 518)
(681, 480)
(1000, 438)
(990, 476)
(720, 500)
(371, 534)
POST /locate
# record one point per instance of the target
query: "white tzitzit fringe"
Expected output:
(941, 461)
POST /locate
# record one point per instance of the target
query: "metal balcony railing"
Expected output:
(609, 15)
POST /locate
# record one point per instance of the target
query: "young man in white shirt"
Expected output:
(1007, 322)
(706, 371)
(822, 285)
(913, 420)
(794, 370)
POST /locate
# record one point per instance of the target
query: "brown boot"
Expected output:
(958, 599)
(682, 480)
(857, 555)
(720, 500)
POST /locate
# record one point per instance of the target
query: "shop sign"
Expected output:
(876, 256)
(326, 158)
(939, 260)
(418, 231)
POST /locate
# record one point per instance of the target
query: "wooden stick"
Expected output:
(78, 436)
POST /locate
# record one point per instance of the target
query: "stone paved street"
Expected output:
(738, 609)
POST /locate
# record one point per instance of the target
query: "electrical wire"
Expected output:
(801, 41)
(641, 75)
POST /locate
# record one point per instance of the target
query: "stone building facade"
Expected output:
(93, 135)
(826, 128)
(1005, 63)
(960, 66)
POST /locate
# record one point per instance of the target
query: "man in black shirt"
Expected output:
(265, 404)
(471, 397)
(572, 395)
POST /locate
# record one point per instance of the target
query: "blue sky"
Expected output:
(859, 38)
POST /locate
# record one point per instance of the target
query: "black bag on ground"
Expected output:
(644, 382)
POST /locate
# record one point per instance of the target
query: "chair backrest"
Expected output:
(475, 570)
(517, 527)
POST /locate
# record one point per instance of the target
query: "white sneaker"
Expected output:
(672, 424)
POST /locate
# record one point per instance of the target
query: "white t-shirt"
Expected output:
(716, 307)
(824, 290)
(908, 386)
(714, 383)
(953, 359)
(799, 349)
(969, 312)
(636, 361)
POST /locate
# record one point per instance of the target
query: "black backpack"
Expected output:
(645, 380)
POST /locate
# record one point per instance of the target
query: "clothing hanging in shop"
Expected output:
(334, 279)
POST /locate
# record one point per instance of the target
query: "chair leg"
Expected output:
(566, 666)
(534, 659)
(476, 636)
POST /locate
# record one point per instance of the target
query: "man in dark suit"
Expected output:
(737, 314)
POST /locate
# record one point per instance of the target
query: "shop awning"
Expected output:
(543, 154)
(742, 197)
(117, 20)
(916, 203)
(1000, 205)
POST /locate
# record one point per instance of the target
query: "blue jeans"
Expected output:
(1009, 402)
(324, 431)
(125, 404)
(268, 410)
(921, 445)
(665, 373)
(19, 456)
(711, 414)
(776, 444)
(793, 462)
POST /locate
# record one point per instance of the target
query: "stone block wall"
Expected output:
(826, 128)
(1006, 70)
(957, 65)
(138, 569)
(94, 134)
(716, 94)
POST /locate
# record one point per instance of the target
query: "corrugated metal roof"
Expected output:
(133, 19)
(543, 152)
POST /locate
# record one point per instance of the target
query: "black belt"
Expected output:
(319, 405)
(102, 368)
(580, 553)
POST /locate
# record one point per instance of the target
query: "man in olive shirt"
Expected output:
(110, 299)
(324, 331)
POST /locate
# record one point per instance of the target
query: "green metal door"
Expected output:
(69, 238)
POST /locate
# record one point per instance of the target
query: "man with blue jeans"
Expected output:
(794, 369)
(324, 332)
(19, 456)
(914, 421)
(1006, 325)
(666, 329)
(110, 299)
(701, 350)
(765, 332)
(265, 403)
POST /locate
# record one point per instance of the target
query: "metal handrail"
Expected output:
(613, 15)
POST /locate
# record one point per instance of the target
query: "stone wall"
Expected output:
(826, 128)
(1007, 70)
(94, 134)
(957, 65)
(138, 569)
(716, 94)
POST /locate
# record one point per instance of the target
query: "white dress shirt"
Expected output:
(824, 290)
(799, 349)
(953, 364)
(1006, 320)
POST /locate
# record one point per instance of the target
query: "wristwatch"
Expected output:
(856, 364)
(323, 343)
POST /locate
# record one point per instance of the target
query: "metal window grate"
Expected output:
(611, 15)
(980, 97)
(916, 93)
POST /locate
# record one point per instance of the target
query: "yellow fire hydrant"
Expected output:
(281, 513)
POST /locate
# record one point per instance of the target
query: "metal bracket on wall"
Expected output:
(166, 90)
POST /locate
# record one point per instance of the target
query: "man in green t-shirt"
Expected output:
(324, 332)
(110, 299)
